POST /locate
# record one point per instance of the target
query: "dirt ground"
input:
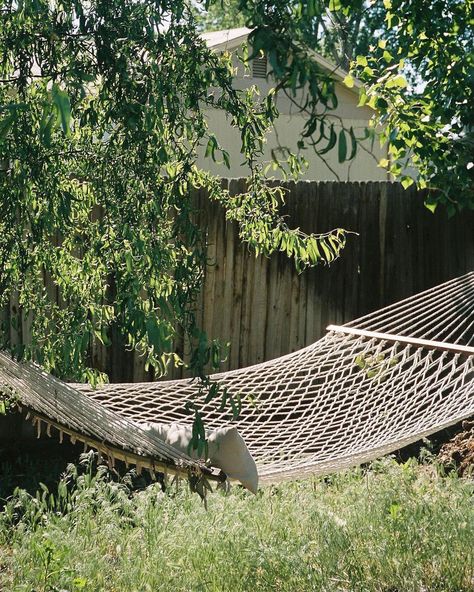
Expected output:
(458, 453)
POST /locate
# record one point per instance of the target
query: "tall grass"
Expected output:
(393, 528)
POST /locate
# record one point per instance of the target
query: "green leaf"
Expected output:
(322, 129)
(212, 393)
(211, 148)
(431, 206)
(353, 144)
(313, 250)
(226, 158)
(128, 261)
(198, 441)
(310, 127)
(328, 254)
(342, 148)
(61, 101)
(407, 182)
(313, 8)
(5, 125)
(48, 121)
(259, 39)
(363, 98)
(224, 398)
(273, 58)
(153, 333)
(349, 81)
(332, 141)
(397, 82)
(235, 408)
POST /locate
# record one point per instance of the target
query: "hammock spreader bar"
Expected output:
(424, 343)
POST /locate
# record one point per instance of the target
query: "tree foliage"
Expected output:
(337, 35)
(219, 15)
(422, 88)
(101, 117)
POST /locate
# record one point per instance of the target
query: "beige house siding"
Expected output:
(287, 133)
(289, 127)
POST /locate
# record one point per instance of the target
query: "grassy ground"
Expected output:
(394, 528)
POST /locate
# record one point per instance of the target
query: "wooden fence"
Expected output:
(265, 309)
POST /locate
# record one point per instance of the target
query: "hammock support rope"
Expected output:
(366, 389)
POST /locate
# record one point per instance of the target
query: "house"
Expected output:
(290, 124)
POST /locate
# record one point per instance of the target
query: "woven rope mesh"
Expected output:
(64, 405)
(344, 400)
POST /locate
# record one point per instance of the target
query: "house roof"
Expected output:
(229, 39)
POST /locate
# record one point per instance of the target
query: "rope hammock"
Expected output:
(364, 390)
(52, 403)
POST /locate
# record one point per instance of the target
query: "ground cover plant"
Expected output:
(393, 527)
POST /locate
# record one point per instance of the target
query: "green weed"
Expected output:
(391, 528)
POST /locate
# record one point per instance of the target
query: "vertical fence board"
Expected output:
(236, 186)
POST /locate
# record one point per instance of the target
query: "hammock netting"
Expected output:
(364, 390)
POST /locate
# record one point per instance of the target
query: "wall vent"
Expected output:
(259, 67)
